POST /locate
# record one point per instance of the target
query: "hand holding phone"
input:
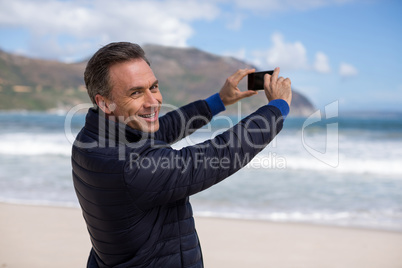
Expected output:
(277, 87)
(230, 93)
(255, 81)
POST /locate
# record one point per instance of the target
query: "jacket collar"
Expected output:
(97, 123)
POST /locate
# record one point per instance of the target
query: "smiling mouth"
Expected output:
(148, 115)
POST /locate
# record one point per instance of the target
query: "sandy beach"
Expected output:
(44, 236)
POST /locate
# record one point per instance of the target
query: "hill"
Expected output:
(185, 74)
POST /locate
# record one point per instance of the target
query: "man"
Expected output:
(134, 188)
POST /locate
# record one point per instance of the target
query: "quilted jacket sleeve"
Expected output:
(179, 123)
(157, 176)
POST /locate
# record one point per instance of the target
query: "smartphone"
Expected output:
(255, 81)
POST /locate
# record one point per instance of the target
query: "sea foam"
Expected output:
(34, 144)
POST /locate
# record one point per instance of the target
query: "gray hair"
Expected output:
(96, 76)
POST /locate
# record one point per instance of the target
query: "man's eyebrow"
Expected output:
(155, 83)
(142, 88)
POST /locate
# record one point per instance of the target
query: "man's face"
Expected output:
(135, 94)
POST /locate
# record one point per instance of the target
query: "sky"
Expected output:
(344, 51)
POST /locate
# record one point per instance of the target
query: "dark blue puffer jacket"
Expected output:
(134, 188)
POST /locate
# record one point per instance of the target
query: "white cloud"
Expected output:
(76, 27)
(286, 55)
(321, 63)
(347, 70)
(64, 25)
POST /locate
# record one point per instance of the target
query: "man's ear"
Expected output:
(104, 104)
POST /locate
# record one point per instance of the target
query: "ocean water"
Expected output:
(343, 171)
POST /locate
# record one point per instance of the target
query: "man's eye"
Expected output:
(135, 93)
(154, 87)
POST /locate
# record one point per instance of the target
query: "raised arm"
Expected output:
(179, 123)
(160, 176)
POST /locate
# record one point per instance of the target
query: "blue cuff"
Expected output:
(215, 104)
(282, 105)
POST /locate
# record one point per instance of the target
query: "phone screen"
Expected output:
(255, 81)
